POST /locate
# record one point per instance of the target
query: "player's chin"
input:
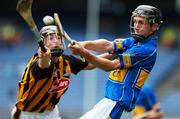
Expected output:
(139, 33)
(55, 47)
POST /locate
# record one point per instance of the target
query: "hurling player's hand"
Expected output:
(44, 58)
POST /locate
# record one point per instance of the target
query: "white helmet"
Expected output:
(48, 29)
(53, 29)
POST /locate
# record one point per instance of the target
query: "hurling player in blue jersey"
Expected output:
(136, 56)
(147, 105)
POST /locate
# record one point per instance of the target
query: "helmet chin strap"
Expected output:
(56, 52)
(138, 38)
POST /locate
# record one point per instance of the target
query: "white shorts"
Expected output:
(102, 110)
(53, 114)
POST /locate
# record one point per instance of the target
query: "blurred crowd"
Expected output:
(13, 34)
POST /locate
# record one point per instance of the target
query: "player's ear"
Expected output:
(155, 27)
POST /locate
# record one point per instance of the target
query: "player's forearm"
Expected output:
(100, 45)
(99, 62)
(90, 66)
(44, 59)
(105, 55)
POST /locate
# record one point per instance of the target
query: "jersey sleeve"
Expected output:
(137, 55)
(76, 64)
(39, 73)
(121, 45)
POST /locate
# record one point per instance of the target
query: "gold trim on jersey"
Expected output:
(119, 44)
(118, 75)
(142, 78)
(61, 66)
(127, 60)
(138, 110)
(68, 68)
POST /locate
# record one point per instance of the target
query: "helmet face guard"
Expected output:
(152, 14)
(46, 31)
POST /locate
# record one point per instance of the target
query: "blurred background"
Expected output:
(86, 20)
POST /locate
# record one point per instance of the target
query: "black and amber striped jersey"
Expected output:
(41, 89)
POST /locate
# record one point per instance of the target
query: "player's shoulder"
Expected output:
(71, 58)
(119, 39)
(33, 57)
(68, 57)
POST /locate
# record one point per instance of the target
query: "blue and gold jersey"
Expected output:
(136, 62)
